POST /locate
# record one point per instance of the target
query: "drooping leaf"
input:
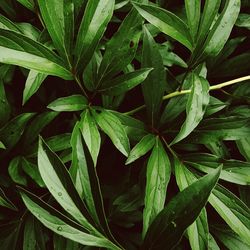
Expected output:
(32, 84)
(157, 178)
(5, 202)
(196, 107)
(59, 20)
(166, 22)
(112, 126)
(69, 103)
(124, 83)
(96, 17)
(181, 211)
(155, 84)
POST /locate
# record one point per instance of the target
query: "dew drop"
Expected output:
(59, 228)
(59, 194)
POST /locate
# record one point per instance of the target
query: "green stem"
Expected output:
(80, 86)
(187, 91)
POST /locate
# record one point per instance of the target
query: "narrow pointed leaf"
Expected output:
(22, 51)
(196, 106)
(141, 148)
(181, 211)
(124, 83)
(157, 178)
(5, 202)
(2, 146)
(155, 85)
(69, 103)
(7, 24)
(95, 20)
(112, 126)
(166, 22)
(29, 4)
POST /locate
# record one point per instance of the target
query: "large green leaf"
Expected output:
(166, 22)
(112, 126)
(59, 20)
(181, 211)
(57, 179)
(196, 106)
(155, 84)
(124, 83)
(96, 17)
(20, 50)
(61, 224)
(157, 178)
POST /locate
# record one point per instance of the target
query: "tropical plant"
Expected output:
(124, 124)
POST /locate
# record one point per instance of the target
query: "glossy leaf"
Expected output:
(90, 134)
(5, 202)
(170, 224)
(59, 20)
(157, 178)
(32, 84)
(58, 181)
(166, 22)
(96, 17)
(124, 83)
(22, 51)
(112, 126)
(155, 84)
(141, 148)
(69, 103)
(196, 107)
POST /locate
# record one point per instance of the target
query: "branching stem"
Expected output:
(187, 91)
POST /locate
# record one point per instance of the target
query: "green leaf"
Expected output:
(243, 146)
(29, 235)
(7, 24)
(243, 21)
(121, 48)
(32, 84)
(8, 7)
(5, 202)
(124, 83)
(235, 213)
(181, 211)
(57, 179)
(59, 20)
(4, 105)
(166, 22)
(2, 146)
(12, 131)
(157, 178)
(95, 20)
(112, 126)
(69, 103)
(20, 50)
(221, 30)
(198, 231)
(196, 106)
(62, 225)
(155, 85)
(29, 4)
(192, 8)
(141, 148)
(90, 134)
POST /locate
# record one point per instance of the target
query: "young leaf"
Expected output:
(59, 20)
(169, 226)
(69, 103)
(198, 231)
(112, 126)
(141, 148)
(166, 22)
(124, 83)
(233, 211)
(196, 106)
(58, 181)
(5, 202)
(192, 8)
(95, 20)
(90, 134)
(222, 28)
(157, 178)
(155, 85)
(20, 50)
(61, 224)
(32, 84)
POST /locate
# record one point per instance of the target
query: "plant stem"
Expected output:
(187, 91)
(80, 86)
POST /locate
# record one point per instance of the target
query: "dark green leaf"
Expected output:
(16, 172)
(29, 4)
(29, 237)
(243, 146)
(243, 21)
(4, 105)
(69, 103)
(158, 176)
(181, 211)
(5, 202)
